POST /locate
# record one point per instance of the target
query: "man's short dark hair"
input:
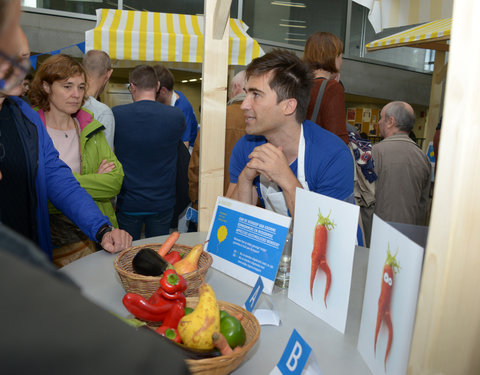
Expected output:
(144, 77)
(402, 115)
(291, 77)
(165, 77)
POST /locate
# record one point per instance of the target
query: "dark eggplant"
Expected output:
(149, 263)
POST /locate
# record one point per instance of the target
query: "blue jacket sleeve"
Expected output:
(191, 131)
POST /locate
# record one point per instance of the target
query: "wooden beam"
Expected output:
(436, 46)
(436, 90)
(220, 18)
(441, 74)
(214, 98)
(447, 328)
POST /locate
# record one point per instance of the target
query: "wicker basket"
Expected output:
(225, 364)
(146, 285)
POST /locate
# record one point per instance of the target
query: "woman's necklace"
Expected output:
(65, 131)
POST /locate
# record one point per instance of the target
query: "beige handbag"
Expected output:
(69, 242)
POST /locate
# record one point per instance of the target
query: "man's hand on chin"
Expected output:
(271, 162)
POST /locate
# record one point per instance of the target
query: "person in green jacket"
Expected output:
(58, 93)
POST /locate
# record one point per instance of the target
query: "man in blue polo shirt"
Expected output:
(283, 151)
(168, 96)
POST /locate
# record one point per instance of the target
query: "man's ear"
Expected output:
(391, 122)
(158, 86)
(46, 87)
(161, 91)
(289, 106)
(109, 73)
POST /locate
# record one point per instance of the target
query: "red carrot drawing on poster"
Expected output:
(319, 252)
(389, 269)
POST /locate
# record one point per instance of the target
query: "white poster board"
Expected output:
(389, 298)
(246, 241)
(339, 253)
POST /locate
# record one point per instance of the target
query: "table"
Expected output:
(336, 353)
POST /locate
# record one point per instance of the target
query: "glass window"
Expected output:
(362, 33)
(90, 6)
(291, 22)
(78, 6)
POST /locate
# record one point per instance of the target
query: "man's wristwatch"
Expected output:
(105, 228)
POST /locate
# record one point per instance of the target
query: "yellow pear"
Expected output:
(196, 328)
(190, 262)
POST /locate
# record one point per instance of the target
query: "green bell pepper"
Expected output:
(232, 329)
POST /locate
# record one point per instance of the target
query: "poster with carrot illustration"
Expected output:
(390, 299)
(324, 236)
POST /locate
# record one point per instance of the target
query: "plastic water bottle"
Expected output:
(283, 274)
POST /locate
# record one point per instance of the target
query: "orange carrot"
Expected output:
(168, 244)
(237, 315)
(221, 343)
(389, 269)
(319, 252)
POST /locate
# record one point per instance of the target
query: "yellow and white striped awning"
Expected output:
(149, 36)
(432, 35)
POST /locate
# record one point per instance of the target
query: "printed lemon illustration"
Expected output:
(222, 233)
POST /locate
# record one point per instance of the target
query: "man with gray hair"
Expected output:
(403, 169)
(98, 67)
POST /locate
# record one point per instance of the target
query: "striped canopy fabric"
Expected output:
(432, 35)
(149, 36)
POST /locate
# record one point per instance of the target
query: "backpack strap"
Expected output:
(318, 102)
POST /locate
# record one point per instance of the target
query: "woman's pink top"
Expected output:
(68, 146)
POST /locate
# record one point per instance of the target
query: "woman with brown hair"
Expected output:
(58, 93)
(323, 52)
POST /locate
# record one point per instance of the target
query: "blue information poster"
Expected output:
(247, 241)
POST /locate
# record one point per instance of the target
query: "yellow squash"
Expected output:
(196, 328)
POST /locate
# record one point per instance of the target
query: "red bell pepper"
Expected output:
(177, 297)
(173, 257)
(145, 310)
(169, 325)
(176, 313)
(156, 298)
(160, 297)
(171, 282)
(169, 333)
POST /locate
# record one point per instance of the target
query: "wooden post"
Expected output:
(447, 328)
(434, 108)
(214, 98)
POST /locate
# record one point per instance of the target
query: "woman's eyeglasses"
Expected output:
(12, 72)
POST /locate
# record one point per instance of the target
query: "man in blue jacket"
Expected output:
(32, 174)
(168, 96)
